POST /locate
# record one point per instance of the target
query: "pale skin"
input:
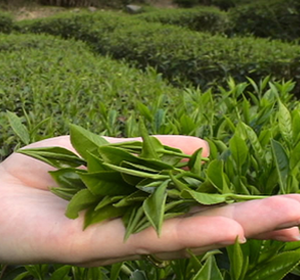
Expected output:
(34, 229)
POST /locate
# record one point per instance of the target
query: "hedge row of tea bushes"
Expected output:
(276, 19)
(204, 19)
(6, 22)
(51, 82)
(181, 55)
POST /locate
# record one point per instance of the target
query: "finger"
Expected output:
(105, 241)
(260, 216)
(286, 235)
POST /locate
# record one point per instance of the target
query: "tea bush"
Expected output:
(6, 22)
(276, 19)
(50, 82)
(203, 18)
(181, 55)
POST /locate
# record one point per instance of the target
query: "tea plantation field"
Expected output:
(104, 71)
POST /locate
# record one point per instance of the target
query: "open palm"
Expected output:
(34, 229)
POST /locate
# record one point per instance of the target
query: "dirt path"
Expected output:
(32, 12)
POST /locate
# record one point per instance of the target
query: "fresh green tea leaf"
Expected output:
(239, 150)
(108, 212)
(209, 271)
(57, 157)
(154, 206)
(285, 122)
(80, 201)
(18, 127)
(85, 141)
(204, 198)
(282, 164)
(105, 183)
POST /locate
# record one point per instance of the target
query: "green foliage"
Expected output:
(205, 19)
(6, 22)
(252, 129)
(45, 81)
(276, 19)
(181, 55)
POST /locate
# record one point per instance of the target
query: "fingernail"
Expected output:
(241, 240)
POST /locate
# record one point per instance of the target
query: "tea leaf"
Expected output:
(108, 212)
(154, 206)
(80, 201)
(285, 122)
(85, 141)
(18, 127)
(67, 178)
(204, 198)
(239, 150)
(150, 144)
(282, 164)
(136, 172)
(209, 271)
(195, 161)
(276, 267)
(55, 156)
(136, 215)
(215, 175)
(237, 261)
(105, 183)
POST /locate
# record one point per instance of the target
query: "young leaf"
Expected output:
(105, 213)
(67, 178)
(204, 198)
(195, 162)
(150, 144)
(80, 201)
(282, 164)
(105, 183)
(215, 175)
(209, 271)
(154, 206)
(285, 122)
(85, 141)
(57, 157)
(136, 173)
(136, 215)
(237, 261)
(276, 267)
(18, 127)
(239, 150)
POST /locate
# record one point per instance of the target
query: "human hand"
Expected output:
(34, 228)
